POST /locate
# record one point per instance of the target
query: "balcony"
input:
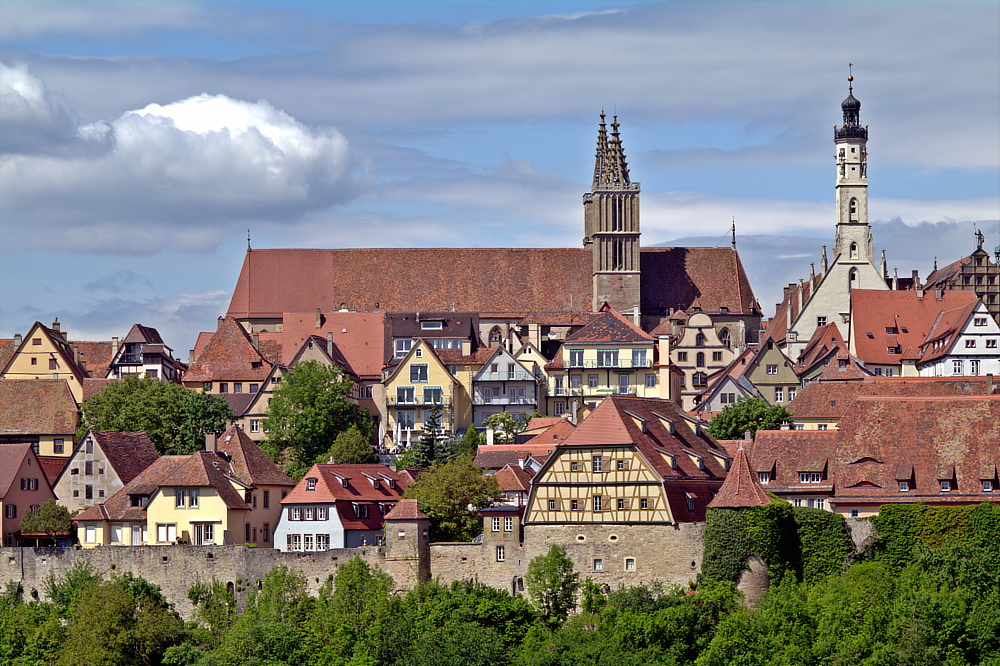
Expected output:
(516, 376)
(850, 132)
(416, 401)
(622, 364)
(503, 400)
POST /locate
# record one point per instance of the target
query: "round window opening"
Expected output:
(613, 537)
(580, 537)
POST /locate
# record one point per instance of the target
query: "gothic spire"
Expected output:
(610, 167)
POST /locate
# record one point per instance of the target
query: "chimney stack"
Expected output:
(218, 325)
(55, 325)
(256, 341)
(210, 439)
(114, 346)
(319, 318)
(329, 343)
(17, 340)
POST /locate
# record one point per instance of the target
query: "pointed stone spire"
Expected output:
(895, 279)
(611, 167)
(885, 272)
(825, 266)
(602, 151)
(812, 272)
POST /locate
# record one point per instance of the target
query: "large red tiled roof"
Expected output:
(359, 488)
(406, 509)
(824, 342)
(514, 478)
(128, 452)
(202, 469)
(37, 406)
(360, 337)
(553, 434)
(229, 356)
(946, 330)
(92, 387)
(786, 453)
(496, 456)
(519, 280)
(119, 506)
(832, 400)
(249, 463)
(53, 466)
(11, 457)
(908, 314)
(609, 326)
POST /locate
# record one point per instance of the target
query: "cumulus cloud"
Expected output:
(172, 175)
(33, 118)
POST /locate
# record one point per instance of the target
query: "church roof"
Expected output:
(490, 281)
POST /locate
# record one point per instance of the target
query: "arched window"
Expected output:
(854, 250)
(852, 279)
(724, 337)
(699, 379)
(699, 340)
(700, 360)
(854, 210)
(496, 336)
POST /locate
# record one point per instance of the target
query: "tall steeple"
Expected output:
(854, 238)
(611, 224)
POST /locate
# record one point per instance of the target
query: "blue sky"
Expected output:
(140, 140)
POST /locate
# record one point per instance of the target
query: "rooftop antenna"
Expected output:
(249, 249)
(734, 232)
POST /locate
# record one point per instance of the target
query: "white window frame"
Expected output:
(501, 554)
(508, 523)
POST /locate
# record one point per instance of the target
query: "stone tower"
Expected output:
(854, 237)
(611, 225)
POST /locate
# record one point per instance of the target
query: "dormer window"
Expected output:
(431, 325)
(945, 486)
(764, 477)
(311, 484)
(810, 477)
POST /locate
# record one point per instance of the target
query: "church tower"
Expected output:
(854, 237)
(611, 226)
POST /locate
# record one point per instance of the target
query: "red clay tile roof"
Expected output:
(910, 316)
(37, 407)
(786, 453)
(7, 350)
(552, 435)
(520, 280)
(119, 507)
(249, 463)
(496, 456)
(406, 509)
(360, 337)
(741, 487)
(514, 478)
(229, 356)
(52, 466)
(542, 423)
(140, 333)
(833, 399)
(95, 356)
(946, 330)
(844, 367)
(940, 278)
(359, 488)
(92, 387)
(609, 326)
(824, 342)
(128, 452)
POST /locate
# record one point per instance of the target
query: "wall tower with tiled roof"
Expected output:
(611, 225)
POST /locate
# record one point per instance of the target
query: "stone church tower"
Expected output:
(611, 226)
(854, 237)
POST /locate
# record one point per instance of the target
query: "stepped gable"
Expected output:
(248, 462)
(675, 277)
(881, 320)
(741, 488)
(922, 440)
(229, 355)
(129, 453)
(37, 406)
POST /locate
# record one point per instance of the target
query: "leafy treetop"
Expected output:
(748, 413)
(446, 491)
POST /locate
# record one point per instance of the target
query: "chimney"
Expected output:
(939, 294)
(114, 346)
(466, 347)
(219, 324)
(17, 340)
(895, 280)
(785, 425)
(916, 279)
(329, 342)
(319, 319)
(190, 356)
(920, 294)
(210, 441)
(989, 383)
(520, 463)
(748, 434)
(55, 325)
(256, 341)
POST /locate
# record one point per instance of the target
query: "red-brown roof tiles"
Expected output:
(514, 478)
(611, 327)
(37, 406)
(741, 487)
(128, 452)
(360, 337)
(249, 463)
(406, 509)
(229, 356)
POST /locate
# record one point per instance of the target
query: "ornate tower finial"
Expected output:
(249, 249)
(734, 232)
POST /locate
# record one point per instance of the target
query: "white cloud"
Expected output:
(174, 175)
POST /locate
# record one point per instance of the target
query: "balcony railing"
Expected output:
(416, 401)
(503, 400)
(624, 363)
(593, 391)
(504, 376)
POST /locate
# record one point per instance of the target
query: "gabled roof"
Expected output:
(249, 463)
(11, 458)
(119, 506)
(948, 328)
(541, 423)
(406, 509)
(59, 343)
(514, 478)
(786, 453)
(825, 341)
(129, 453)
(844, 367)
(7, 350)
(520, 280)
(496, 456)
(552, 435)
(229, 355)
(609, 326)
(205, 468)
(94, 356)
(881, 320)
(359, 480)
(142, 334)
(53, 467)
(495, 355)
(741, 487)
(359, 337)
(37, 406)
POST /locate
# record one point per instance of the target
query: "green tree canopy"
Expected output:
(446, 491)
(748, 413)
(49, 518)
(505, 426)
(308, 410)
(175, 418)
(351, 448)
(552, 584)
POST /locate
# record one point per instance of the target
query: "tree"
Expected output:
(426, 449)
(552, 584)
(308, 410)
(446, 491)
(748, 413)
(50, 518)
(505, 426)
(468, 445)
(176, 419)
(351, 448)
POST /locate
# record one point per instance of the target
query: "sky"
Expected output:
(141, 141)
